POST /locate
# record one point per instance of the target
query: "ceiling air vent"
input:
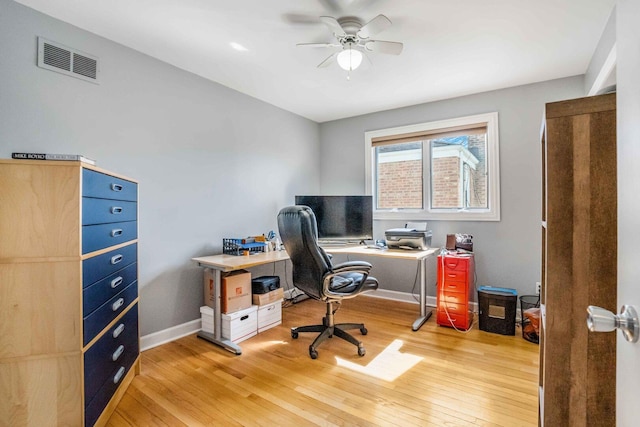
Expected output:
(56, 57)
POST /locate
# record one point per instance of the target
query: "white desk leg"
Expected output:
(216, 337)
(424, 314)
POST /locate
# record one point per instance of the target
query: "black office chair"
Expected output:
(317, 277)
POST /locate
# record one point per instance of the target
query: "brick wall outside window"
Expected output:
(445, 182)
(400, 184)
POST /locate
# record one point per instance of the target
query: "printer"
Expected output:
(412, 236)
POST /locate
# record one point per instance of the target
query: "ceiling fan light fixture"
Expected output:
(349, 59)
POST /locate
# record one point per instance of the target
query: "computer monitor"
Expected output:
(341, 218)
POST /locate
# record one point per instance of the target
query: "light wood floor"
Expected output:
(432, 377)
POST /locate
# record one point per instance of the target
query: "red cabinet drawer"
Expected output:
(452, 308)
(455, 298)
(460, 321)
(455, 275)
(452, 286)
(456, 263)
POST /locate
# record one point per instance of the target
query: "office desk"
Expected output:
(225, 263)
(220, 263)
(419, 256)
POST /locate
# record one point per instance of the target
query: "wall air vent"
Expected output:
(56, 57)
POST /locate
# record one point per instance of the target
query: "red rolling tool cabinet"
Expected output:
(456, 273)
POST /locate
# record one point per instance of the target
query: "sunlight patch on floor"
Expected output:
(266, 344)
(388, 365)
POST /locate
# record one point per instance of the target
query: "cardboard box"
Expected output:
(235, 293)
(240, 325)
(206, 315)
(269, 315)
(268, 298)
(209, 286)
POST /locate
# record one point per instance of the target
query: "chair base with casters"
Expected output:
(328, 329)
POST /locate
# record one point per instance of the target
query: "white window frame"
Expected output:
(492, 213)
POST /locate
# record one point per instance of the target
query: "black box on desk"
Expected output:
(264, 284)
(497, 310)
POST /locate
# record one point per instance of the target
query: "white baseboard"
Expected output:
(410, 298)
(400, 296)
(171, 334)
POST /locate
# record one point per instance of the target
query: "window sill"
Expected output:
(437, 216)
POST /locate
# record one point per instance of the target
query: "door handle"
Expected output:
(601, 320)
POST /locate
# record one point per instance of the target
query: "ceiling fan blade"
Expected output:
(331, 5)
(297, 18)
(392, 48)
(373, 27)
(318, 45)
(364, 53)
(333, 25)
(339, 7)
(328, 61)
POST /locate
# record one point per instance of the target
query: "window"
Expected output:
(440, 170)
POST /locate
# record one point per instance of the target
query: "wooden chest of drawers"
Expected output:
(455, 289)
(69, 285)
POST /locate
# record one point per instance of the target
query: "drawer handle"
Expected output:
(271, 308)
(117, 331)
(116, 210)
(116, 282)
(116, 354)
(244, 317)
(452, 265)
(116, 232)
(451, 275)
(116, 259)
(116, 187)
(116, 305)
(118, 376)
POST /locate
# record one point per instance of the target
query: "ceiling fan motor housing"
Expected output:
(350, 24)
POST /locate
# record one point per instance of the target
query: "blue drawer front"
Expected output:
(117, 343)
(95, 237)
(98, 267)
(94, 408)
(103, 211)
(103, 186)
(96, 321)
(96, 294)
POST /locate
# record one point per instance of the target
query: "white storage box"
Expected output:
(206, 315)
(240, 325)
(269, 315)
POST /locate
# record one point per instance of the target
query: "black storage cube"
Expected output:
(264, 284)
(497, 310)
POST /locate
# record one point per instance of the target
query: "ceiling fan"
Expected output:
(355, 40)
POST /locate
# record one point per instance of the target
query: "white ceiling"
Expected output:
(451, 47)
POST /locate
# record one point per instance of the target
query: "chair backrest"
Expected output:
(299, 233)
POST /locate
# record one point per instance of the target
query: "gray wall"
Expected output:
(606, 43)
(211, 162)
(507, 252)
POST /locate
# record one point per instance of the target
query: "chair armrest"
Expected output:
(357, 266)
(361, 267)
